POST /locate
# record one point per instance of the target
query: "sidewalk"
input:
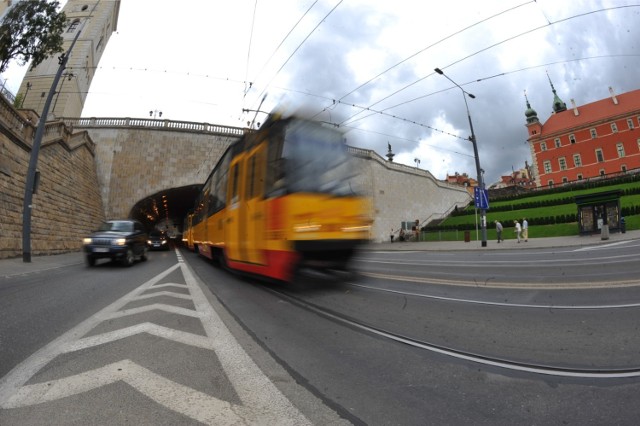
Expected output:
(510, 244)
(15, 266)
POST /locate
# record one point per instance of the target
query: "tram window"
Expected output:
(252, 175)
(234, 183)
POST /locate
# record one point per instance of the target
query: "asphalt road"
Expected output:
(547, 335)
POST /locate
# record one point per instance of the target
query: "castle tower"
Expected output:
(558, 105)
(96, 20)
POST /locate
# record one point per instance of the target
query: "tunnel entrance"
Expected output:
(166, 210)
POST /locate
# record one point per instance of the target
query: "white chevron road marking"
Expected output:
(262, 401)
(162, 293)
(202, 407)
(149, 328)
(155, 307)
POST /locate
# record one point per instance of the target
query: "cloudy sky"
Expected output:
(368, 66)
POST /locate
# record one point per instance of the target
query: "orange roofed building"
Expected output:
(594, 140)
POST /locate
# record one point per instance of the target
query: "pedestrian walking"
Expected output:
(518, 229)
(392, 235)
(525, 229)
(499, 230)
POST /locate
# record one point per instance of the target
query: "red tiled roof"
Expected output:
(589, 113)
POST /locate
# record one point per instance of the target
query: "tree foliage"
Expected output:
(31, 31)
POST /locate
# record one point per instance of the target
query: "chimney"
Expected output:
(575, 108)
(613, 96)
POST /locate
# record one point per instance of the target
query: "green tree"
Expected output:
(31, 31)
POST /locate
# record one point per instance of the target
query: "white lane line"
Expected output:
(605, 246)
(262, 401)
(593, 374)
(165, 392)
(16, 378)
(252, 386)
(503, 304)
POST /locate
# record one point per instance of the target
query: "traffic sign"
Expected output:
(481, 198)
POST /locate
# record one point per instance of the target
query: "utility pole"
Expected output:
(33, 161)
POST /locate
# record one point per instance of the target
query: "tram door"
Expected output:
(253, 206)
(233, 218)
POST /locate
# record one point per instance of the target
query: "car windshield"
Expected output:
(156, 234)
(117, 226)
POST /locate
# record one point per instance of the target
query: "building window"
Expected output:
(579, 176)
(577, 161)
(614, 127)
(543, 145)
(562, 163)
(572, 138)
(630, 123)
(594, 134)
(73, 26)
(623, 168)
(550, 184)
(639, 144)
(547, 166)
(564, 179)
(620, 149)
(557, 141)
(602, 172)
(599, 156)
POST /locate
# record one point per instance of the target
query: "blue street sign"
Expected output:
(481, 198)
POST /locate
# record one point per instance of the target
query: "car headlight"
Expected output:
(149, 242)
(86, 241)
(120, 241)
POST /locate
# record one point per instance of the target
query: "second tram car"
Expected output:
(281, 197)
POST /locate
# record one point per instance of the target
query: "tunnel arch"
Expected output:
(165, 210)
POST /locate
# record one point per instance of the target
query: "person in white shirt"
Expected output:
(518, 229)
(525, 229)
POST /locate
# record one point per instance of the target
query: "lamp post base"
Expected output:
(484, 244)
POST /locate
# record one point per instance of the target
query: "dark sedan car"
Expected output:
(123, 240)
(158, 240)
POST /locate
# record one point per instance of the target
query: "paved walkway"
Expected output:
(16, 266)
(511, 243)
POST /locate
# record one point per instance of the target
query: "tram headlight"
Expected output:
(307, 228)
(364, 228)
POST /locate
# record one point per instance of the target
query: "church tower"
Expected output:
(97, 20)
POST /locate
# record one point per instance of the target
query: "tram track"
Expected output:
(491, 282)
(503, 363)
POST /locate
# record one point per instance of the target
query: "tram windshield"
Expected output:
(316, 160)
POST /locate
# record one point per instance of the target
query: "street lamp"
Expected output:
(417, 160)
(479, 171)
(154, 113)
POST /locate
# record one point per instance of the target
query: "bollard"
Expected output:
(604, 232)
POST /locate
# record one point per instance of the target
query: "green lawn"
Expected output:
(535, 231)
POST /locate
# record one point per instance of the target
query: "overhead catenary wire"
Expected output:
(429, 47)
(491, 47)
(247, 84)
(297, 48)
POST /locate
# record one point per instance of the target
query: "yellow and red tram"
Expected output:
(281, 197)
